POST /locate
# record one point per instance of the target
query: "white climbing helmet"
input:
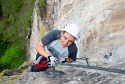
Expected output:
(73, 29)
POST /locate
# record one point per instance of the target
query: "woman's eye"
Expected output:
(71, 41)
(65, 38)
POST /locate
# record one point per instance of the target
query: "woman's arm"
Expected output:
(40, 48)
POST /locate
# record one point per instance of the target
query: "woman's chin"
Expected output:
(63, 46)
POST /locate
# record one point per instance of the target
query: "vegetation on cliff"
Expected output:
(15, 18)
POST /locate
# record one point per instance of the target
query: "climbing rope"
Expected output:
(93, 67)
(96, 67)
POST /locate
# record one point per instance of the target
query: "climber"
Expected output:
(57, 46)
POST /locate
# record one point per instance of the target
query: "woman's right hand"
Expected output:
(51, 61)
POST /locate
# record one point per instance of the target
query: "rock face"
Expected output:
(64, 75)
(102, 41)
(37, 31)
(102, 28)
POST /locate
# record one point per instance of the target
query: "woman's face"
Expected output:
(66, 39)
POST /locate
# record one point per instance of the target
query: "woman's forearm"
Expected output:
(41, 50)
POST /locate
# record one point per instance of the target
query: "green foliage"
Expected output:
(1, 29)
(13, 32)
(9, 6)
(42, 3)
(16, 19)
(12, 57)
(42, 7)
(16, 5)
(3, 47)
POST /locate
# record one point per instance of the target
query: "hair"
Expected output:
(60, 33)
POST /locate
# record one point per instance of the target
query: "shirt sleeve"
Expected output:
(73, 51)
(51, 36)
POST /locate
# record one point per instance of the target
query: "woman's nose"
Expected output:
(66, 42)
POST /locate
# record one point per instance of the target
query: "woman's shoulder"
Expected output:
(73, 46)
(56, 31)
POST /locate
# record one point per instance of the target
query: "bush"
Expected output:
(12, 57)
(3, 47)
(13, 29)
